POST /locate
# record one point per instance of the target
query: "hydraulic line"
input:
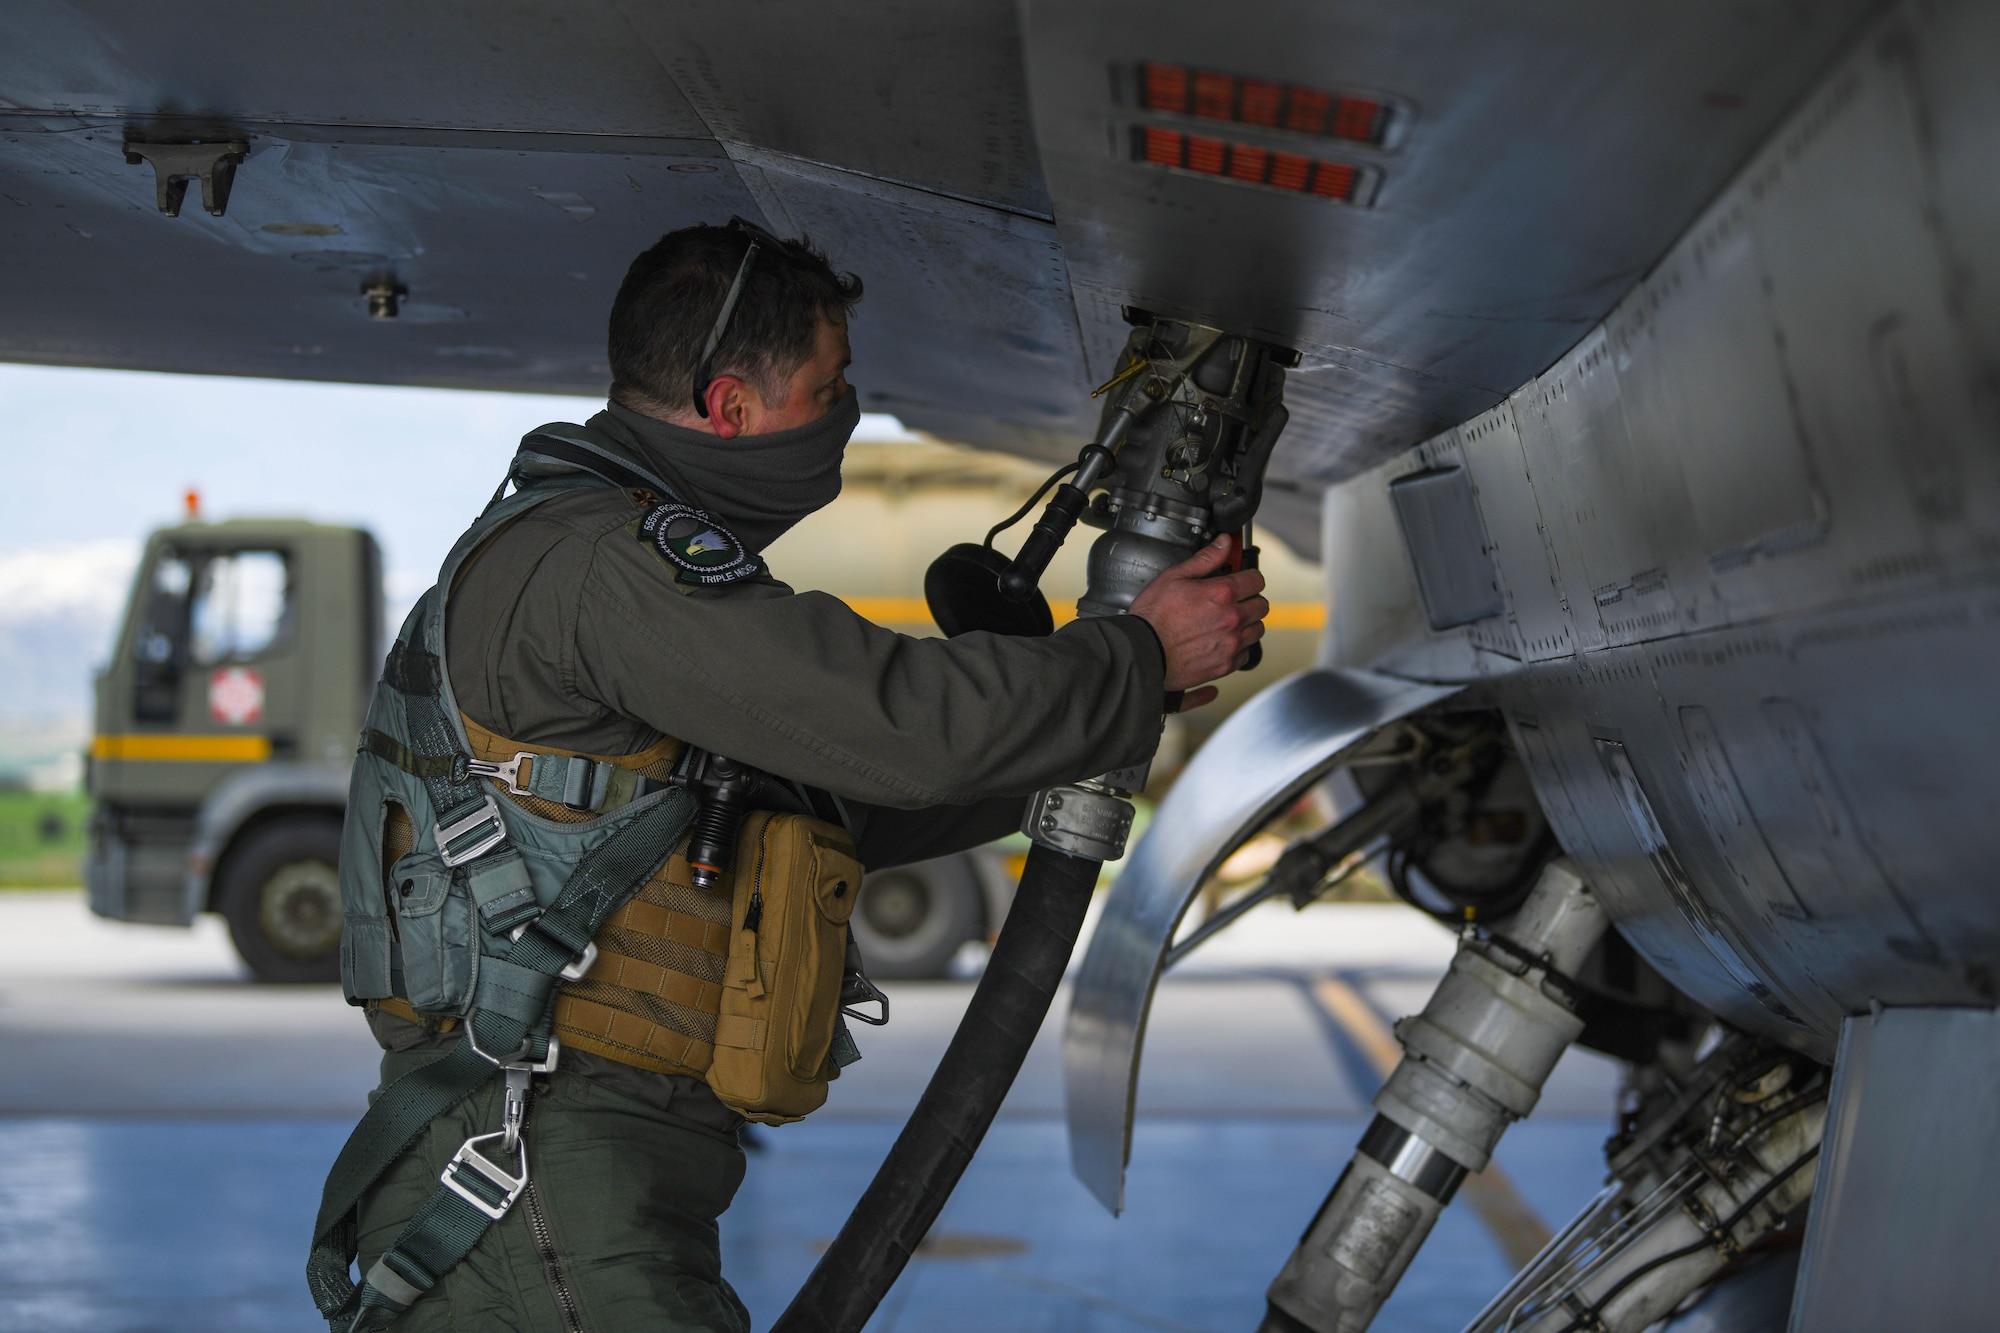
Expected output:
(1691, 1190)
(958, 1105)
(1590, 1318)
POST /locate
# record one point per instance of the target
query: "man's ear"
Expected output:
(732, 404)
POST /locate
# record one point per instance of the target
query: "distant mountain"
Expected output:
(59, 608)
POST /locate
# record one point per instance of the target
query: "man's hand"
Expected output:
(1206, 622)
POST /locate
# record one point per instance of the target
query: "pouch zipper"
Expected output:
(545, 1248)
(753, 914)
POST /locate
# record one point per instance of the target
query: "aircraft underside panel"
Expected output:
(1791, 822)
(1745, 539)
(1514, 189)
(981, 165)
(502, 166)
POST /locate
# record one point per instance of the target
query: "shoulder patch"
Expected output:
(700, 550)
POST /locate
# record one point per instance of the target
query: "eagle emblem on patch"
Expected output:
(700, 549)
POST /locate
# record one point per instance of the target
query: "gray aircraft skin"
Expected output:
(1648, 396)
(1731, 576)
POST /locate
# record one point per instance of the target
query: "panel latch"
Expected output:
(212, 162)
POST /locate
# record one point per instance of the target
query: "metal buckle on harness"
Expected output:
(514, 1109)
(446, 834)
(547, 1064)
(857, 989)
(469, 1158)
(576, 969)
(508, 772)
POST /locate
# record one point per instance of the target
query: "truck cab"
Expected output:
(224, 732)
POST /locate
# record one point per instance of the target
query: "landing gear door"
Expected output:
(1264, 757)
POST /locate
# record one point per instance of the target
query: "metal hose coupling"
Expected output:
(1474, 1062)
(1087, 819)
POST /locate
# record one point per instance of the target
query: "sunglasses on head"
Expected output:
(704, 374)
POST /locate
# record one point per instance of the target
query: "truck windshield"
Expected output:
(242, 606)
(204, 608)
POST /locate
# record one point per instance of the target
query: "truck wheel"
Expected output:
(280, 893)
(910, 920)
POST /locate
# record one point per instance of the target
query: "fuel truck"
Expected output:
(225, 722)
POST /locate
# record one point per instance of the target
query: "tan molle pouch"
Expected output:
(795, 881)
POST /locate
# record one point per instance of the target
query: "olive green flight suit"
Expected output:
(571, 632)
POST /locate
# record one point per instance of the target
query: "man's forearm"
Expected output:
(801, 686)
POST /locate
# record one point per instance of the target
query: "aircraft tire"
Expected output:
(911, 920)
(280, 893)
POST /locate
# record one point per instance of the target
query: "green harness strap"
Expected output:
(592, 786)
(470, 834)
(510, 1017)
(524, 956)
(525, 953)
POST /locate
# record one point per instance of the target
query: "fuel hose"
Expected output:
(958, 1105)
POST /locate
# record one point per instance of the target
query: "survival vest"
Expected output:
(504, 877)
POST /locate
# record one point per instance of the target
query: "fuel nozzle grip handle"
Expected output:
(1246, 558)
(1023, 576)
(1020, 579)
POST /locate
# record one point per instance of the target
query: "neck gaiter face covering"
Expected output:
(757, 486)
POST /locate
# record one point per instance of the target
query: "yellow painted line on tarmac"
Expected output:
(1344, 1005)
(1508, 1218)
(183, 749)
(915, 611)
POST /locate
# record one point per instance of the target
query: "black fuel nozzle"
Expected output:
(723, 786)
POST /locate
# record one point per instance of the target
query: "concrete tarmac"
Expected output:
(164, 1126)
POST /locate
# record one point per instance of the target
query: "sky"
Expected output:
(99, 456)
(97, 459)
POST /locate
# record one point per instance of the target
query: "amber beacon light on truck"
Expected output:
(1262, 106)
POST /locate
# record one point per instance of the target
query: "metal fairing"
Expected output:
(1747, 538)
(1905, 1178)
(1269, 751)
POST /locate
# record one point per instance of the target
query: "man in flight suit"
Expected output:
(605, 620)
